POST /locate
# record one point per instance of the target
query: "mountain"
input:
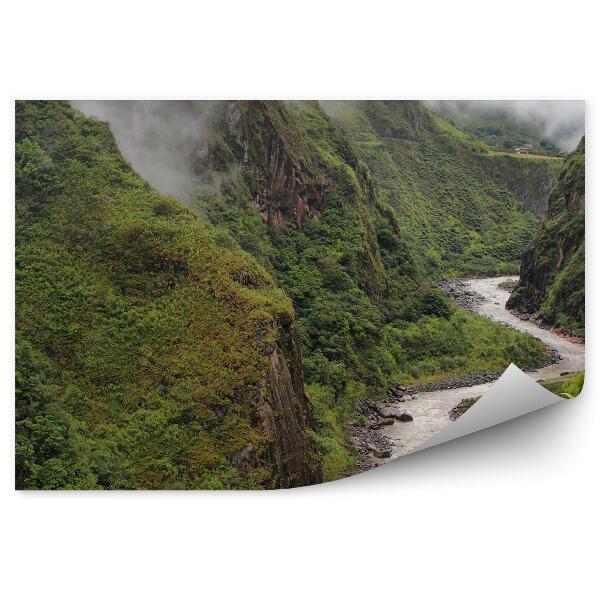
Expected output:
(552, 278)
(498, 125)
(467, 211)
(223, 338)
(151, 351)
(529, 178)
(290, 185)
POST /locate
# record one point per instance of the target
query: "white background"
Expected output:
(508, 513)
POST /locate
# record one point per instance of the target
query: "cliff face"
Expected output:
(151, 353)
(289, 187)
(286, 415)
(290, 181)
(552, 278)
(529, 179)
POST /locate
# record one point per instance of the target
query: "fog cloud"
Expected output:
(561, 121)
(160, 138)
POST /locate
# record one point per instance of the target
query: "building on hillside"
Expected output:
(524, 149)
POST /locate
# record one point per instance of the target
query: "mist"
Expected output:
(160, 138)
(561, 121)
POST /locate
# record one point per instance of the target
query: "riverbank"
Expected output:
(431, 406)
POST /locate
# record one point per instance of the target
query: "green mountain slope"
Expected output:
(499, 128)
(155, 351)
(461, 210)
(529, 178)
(151, 351)
(293, 191)
(552, 280)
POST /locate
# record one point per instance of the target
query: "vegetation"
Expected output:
(572, 388)
(144, 333)
(453, 215)
(552, 281)
(499, 129)
(357, 275)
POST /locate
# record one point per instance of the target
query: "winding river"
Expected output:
(430, 409)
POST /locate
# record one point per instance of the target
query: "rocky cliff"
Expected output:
(151, 351)
(529, 178)
(292, 179)
(552, 278)
(286, 416)
(289, 186)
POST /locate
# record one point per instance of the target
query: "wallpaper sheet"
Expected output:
(263, 294)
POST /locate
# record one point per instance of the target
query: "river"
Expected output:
(430, 409)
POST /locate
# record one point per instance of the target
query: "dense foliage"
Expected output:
(552, 281)
(143, 334)
(358, 275)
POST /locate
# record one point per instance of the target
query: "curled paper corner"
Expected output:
(513, 395)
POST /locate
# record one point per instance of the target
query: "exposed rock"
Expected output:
(363, 406)
(529, 180)
(459, 293)
(405, 417)
(508, 284)
(368, 438)
(284, 415)
(288, 189)
(243, 458)
(389, 413)
(552, 278)
(382, 453)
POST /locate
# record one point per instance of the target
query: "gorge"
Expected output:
(207, 290)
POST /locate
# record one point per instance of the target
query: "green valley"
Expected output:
(224, 336)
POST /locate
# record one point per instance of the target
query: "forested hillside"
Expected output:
(291, 188)
(151, 351)
(156, 348)
(552, 280)
(500, 128)
(461, 209)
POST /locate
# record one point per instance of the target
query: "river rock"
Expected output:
(405, 417)
(389, 413)
(382, 453)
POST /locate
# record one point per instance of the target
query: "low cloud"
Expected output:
(160, 138)
(561, 121)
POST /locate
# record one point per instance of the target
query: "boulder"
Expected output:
(382, 453)
(389, 413)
